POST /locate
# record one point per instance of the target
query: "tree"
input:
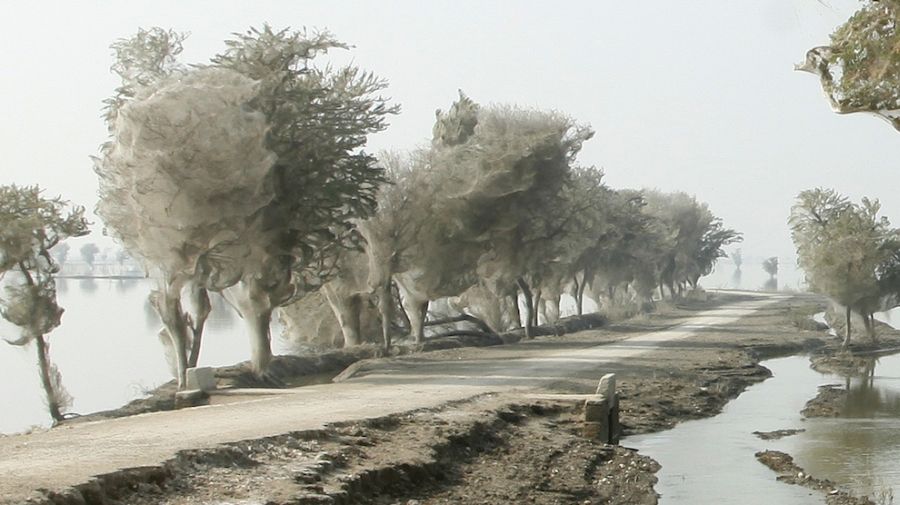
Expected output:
(312, 124)
(737, 258)
(846, 250)
(411, 233)
(61, 253)
(860, 70)
(89, 254)
(185, 175)
(30, 226)
(521, 160)
(695, 238)
(770, 266)
(324, 181)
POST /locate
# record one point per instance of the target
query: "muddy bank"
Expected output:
(829, 402)
(778, 434)
(788, 471)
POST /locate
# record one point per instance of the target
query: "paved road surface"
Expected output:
(71, 455)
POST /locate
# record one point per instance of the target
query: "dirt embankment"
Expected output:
(485, 450)
(321, 367)
(495, 449)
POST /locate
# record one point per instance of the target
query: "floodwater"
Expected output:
(107, 350)
(752, 277)
(861, 448)
(712, 460)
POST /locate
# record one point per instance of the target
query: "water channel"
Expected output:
(712, 460)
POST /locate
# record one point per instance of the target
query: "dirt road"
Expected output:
(71, 455)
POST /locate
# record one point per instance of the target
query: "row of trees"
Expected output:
(90, 254)
(247, 176)
(495, 211)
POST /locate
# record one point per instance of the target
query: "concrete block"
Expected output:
(596, 431)
(607, 386)
(202, 378)
(190, 398)
(615, 427)
(596, 410)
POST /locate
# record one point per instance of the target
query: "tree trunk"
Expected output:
(418, 311)
(346, 310)
(351, 327)
(869, 322)
(398, 303)
(200, 301)
(517, 314)
(386, 308)
(846, 343)
(260, 340)
(576, 287)
(168, 305)
(550, 309)
(46, 381)
(529, 306)
(255, 301)
(580, 297)
(537, 305)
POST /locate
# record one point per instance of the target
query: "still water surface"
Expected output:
(712, 460)
(107, 350)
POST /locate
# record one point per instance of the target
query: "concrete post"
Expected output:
(601, 413)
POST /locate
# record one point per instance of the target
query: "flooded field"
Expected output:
(108, 351)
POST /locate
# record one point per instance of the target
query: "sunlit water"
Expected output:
(107, 350)
(712, 460)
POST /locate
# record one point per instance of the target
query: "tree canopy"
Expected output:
(242, 174)
(860, 69)
(847, 251)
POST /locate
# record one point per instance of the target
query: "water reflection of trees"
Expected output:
(865, 398)
(62, 285)
(125, 285)
(860, 447)
(771, 284)
(88, 285)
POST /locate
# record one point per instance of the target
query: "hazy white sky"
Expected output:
(695, 95)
